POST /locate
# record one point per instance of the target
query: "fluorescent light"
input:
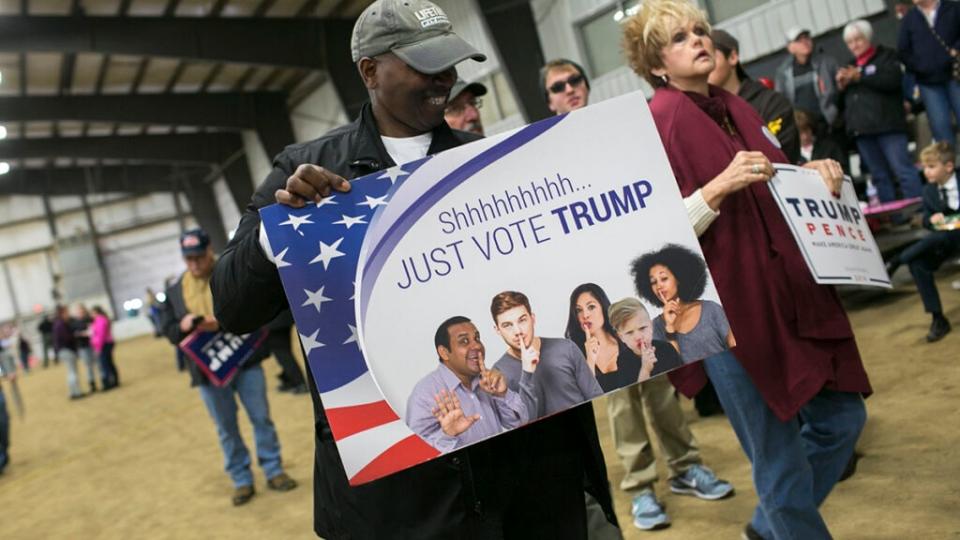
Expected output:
(3, 132)
(4, 167)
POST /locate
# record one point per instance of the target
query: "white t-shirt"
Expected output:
(953, 195)
(408, 148)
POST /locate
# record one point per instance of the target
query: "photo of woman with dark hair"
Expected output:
(612, 361)
(674, 278)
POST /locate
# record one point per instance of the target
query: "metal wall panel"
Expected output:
(18, 207)
(228, 209)
(317, 114)
(762, 30)
(469, 25)
(31, 281)
(142, 258)
(24, 237)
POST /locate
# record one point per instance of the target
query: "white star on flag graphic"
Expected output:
(353, 335)
(392, 174)
(328, 252)
(296, 222)
(373, 202)
(278, 259)
(310, 342)
(315, 298)
(349, 221)
(325, 201)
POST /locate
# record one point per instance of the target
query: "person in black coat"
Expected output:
(527, 483)
(775, 109)
(941, 201)
(871, 87)
(928, 53)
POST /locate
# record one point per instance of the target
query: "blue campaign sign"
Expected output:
(220, 354)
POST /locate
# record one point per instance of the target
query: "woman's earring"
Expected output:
(665, 79)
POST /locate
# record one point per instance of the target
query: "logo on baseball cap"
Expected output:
(417, 31)
(194, 242)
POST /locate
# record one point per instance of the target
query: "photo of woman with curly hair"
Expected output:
(674, 278)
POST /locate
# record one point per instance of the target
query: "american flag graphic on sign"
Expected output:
(317, 249)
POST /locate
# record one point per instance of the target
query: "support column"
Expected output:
(11, 290)
(273, 124)
(343, 72)
(237, 174)
(95, 239)
(513, 28)
(203, 203)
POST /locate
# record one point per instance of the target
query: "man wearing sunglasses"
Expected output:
(565, 85)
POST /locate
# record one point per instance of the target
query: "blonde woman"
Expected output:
(795, 355)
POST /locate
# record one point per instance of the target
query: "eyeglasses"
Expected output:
(476, 103)
(559, 86)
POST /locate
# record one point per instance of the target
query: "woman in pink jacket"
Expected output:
(101, 339)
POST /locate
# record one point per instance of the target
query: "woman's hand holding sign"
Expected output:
(831, 172)
(310, 183)
(745, 169)
(450, 415)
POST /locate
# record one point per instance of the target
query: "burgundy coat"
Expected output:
(793, 336)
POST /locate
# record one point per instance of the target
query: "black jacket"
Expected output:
(172, 310)
(933, 203)
(874, 104)
(527, 483)
(920, 51)
(777, 114)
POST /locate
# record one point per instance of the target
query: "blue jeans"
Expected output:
(794, 467)
(4, 432)
(940, 100)
(250, 386)
(886, 156)
(108, 369)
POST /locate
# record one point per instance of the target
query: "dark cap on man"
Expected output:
(194, 242)
(417, 31)
(475, 88)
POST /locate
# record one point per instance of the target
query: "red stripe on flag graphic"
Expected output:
(347, 421)
(406, 453)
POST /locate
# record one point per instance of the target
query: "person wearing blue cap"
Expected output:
(188, 308)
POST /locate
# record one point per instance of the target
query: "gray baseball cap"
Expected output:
(417, 31)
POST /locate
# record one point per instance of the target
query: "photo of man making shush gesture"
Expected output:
(461, 401)
(550, 374)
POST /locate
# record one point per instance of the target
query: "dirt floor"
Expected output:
(143, 462)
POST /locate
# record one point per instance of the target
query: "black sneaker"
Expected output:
(938, 328)
(892, 266)
(749, 533)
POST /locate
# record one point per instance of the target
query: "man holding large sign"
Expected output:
(406, 53)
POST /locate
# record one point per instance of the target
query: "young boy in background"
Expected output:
(941, 200)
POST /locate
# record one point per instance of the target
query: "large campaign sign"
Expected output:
(448, 300)
(832, 232)
(220, 354)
